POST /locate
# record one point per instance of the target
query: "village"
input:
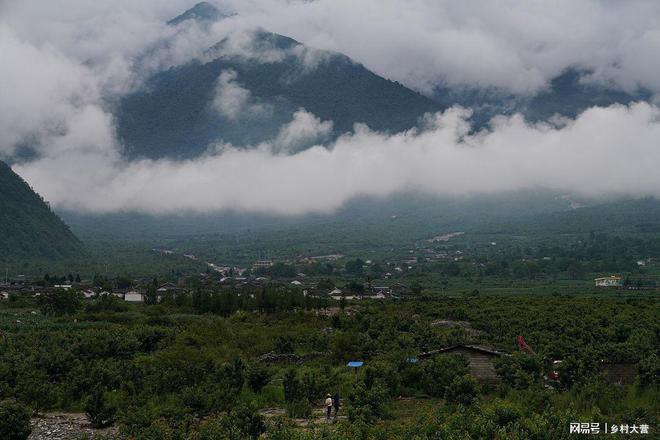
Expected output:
(137, 293)
(333, 276)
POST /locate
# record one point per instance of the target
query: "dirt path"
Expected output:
(317, 418)
(64, 426)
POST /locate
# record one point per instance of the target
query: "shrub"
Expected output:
(284, 345)
(299, 409)
(234, 374)
(367, 403)
(462, 390)
(242, 422)
(440, 371)
(14, 421)
(60, 302)
(506, 414)
(519, 371)
(247, 421)
(649, 371)
(257, 378)
(99, 409)
(294, 389)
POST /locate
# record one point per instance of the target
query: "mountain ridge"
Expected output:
(173, 115)
(274, 76)
(28, 227)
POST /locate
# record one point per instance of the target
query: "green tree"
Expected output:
(462, 390)
(151, 297)
(649, 371)
(293, 386)
(354, 267)
(326, 283)
(14, 421)
(60, 302)
(246, 420)
(440, 371)
(257, 377)
(519, 371)
(99, 409)
(367, 402)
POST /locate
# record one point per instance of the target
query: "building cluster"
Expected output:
(395, 291)
(88, 292)
(234, 283)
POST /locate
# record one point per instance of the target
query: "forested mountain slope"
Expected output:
(244, 96)
(28, 228)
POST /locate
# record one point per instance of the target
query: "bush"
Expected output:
(462, 390)
(440, 371)
(367, 403)
(386, 373)
(519, 371)
(99, 409)
(14, 421)
(60, 302)
(506, 414)
(294, 389)
(106, 303)
(242, 422)
(649, 371)
(299, 409)
(247, 421)
(257, 378)
(284, 345)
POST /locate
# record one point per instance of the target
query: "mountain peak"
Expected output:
(201, 12)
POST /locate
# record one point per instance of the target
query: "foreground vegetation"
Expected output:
(176, 371)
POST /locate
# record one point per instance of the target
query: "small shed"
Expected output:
(481, 360)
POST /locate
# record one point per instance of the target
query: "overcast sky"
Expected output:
(62, 61)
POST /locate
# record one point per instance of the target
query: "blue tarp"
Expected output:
(355, 364)
(411, 360)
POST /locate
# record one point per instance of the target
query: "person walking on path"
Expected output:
(328, 407)
(335, 403)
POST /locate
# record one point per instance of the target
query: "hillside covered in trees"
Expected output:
(244, 96)
(28, 228)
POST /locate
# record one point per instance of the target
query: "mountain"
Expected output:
(247, 86)
(28, 228)
(567, 95)
(416, 215)
(630, 216)
(201, 12)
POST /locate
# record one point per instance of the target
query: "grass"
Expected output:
(406, 410)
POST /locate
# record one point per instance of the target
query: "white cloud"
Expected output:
(232, 100)
(304, 129)
(604, 151)
(511, 44)
(514, 45)
(41, 90)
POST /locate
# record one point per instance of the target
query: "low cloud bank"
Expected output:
(604, 151)
(67, 61)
